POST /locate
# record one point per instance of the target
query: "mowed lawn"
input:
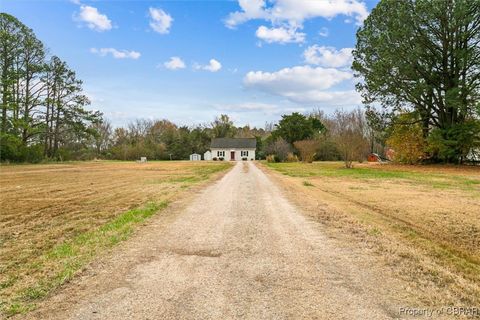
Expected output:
(426, 218)
(55, 218)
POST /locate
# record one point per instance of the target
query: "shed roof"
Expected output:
(248, 143)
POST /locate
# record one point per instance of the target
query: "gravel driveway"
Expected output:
(237, 250)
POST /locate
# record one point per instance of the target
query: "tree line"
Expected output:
(163, 139)
(43, 107)
(418, 65)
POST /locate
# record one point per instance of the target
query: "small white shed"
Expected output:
(195, 157)
(207, 156)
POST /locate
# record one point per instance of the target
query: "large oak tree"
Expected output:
(423, 57)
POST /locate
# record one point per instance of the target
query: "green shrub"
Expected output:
(10, 147)
(454, 144)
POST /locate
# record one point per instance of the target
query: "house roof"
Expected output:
(247, 143)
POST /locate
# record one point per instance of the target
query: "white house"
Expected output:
(234, 149)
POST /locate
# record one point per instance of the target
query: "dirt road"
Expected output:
(238, 250)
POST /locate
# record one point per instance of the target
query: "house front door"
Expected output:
(232, 155)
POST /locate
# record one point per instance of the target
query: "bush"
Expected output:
(272, 158)
(291, 157)
(327, 150)
(214, 159)
(10, 147)
(307, 149)
(32, 154)
(244, 159)
(280, 148)
(407, 141)
(221, 158)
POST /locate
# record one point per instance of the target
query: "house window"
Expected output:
(244, 153)
(220, 153)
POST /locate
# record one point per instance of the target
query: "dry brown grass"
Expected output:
(45, 206)
(423, 220)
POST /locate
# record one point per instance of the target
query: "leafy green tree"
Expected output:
(222, 127)
(200, 139)
(10, 48)
(455, 142)
(42, 104)
(66, 116)
(296, 127)
(423, 55)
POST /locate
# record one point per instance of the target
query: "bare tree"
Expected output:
(103, 137)
(307, 149)
(348, 133)
(280, 148)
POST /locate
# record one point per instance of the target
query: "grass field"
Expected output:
(425, 220)
(55, 218)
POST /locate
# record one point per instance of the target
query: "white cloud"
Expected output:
(94, 19)
(212, 66)
(248, 107)
(328, 56)
(299, 77)
(331, 98)
(251, 9)
(304, 84)
(280, 35)
(174, 63)
(117, 54)
(323, 32)
(161, 21)
(300, 10)
(296, 11)
(293, 13)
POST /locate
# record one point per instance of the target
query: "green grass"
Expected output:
(307, 184)
(335, 169)
(73, 255)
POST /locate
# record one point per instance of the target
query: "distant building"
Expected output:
(373, 157)
(207, 156)
(473, 155)
(233, 149)
(195, 157)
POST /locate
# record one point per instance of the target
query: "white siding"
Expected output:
(207, 156)
(238, 153)
(195, 157)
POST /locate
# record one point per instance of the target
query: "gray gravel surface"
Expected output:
(237, 250)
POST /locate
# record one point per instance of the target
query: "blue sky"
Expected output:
(189, 61)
